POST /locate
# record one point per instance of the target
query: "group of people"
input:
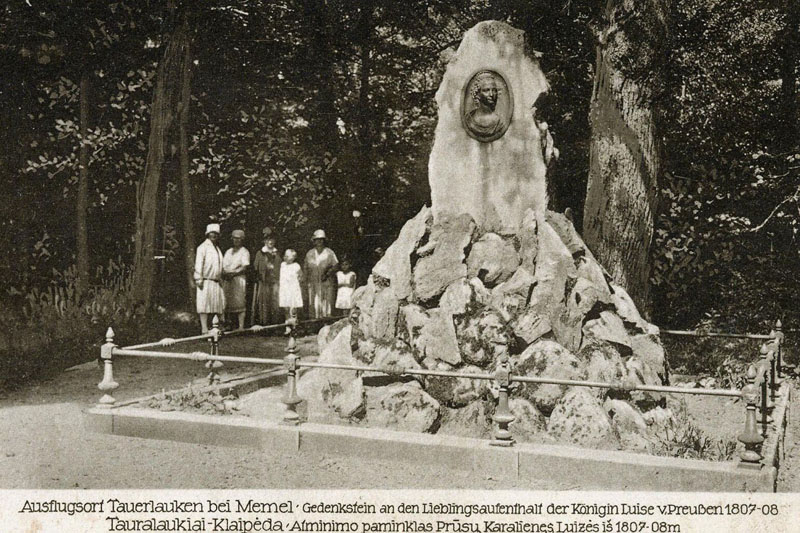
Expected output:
(221, 280)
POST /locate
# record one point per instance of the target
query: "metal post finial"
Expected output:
(110, 334)
(750, 437)
(502, 415)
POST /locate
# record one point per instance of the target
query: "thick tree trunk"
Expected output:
(81, 204)
(162, 113)
(186, 184)
(364, 157)
(624, 156)
(790, 55)
(320, 68)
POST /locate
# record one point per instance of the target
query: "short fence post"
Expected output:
(779, 342)
(291, 399)
(291, 334)
(108, 384)
(750, 437)
(773, 379)
(762, 369)
(212, 366)
(502, 415)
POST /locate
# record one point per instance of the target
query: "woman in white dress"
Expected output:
(207, 277)
(320, 268)
(234, 267)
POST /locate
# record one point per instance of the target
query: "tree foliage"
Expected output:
(304, 110)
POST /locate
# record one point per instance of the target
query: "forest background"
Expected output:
(128, 125)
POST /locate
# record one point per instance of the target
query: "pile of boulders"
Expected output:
(449, 295)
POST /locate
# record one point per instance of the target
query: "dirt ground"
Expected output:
(43, 443)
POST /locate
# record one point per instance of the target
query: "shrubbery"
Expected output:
(55, 328)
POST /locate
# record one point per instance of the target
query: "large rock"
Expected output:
(648, 348)
(492, 259)
(466, 390)
(394, 358)
(365, 350)
(590, 270)
(364, 296)
(328, 333)
(603, 363)
(554, 267)
(458, 297)
(566, 232)
(340, 392)
(474, 421)
(395, 265)
(384, 315)
(629, 424)
(510, 297)
(482, 338)
(412, 319)
(626, 308)
(528, 237)
(608, 327)
(579, 418)
(443, 260)
(493, 181)
(639, 372)
(531, 324)
(437, 338)
(546, 359)
(529, 423)
(403, 407)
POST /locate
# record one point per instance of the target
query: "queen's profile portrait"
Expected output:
(486, 109)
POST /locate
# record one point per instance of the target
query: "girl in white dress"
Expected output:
(290, 295)
(345, 285)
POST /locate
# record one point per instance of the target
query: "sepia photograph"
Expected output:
(484, 245)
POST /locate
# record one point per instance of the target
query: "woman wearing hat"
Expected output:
(234, 266)
(267, 266)
(321, 264)
(207, 277)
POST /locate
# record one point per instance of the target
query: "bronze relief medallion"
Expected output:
(487, 106)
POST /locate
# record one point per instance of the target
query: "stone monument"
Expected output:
(486, 159)
(486, 273)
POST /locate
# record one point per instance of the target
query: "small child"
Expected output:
(290, 295)
(346, 284)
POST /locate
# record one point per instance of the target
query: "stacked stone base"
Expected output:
(449, 295)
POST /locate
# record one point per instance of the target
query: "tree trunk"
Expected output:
(789, 44)
(81, 231)
(186, 184)
(162, 113)
(320, 69)
(624, 155)
(364, 157)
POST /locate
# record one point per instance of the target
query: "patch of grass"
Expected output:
(682, 438)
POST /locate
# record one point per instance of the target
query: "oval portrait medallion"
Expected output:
(487, 106)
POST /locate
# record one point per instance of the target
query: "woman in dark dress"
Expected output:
(267, 267)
